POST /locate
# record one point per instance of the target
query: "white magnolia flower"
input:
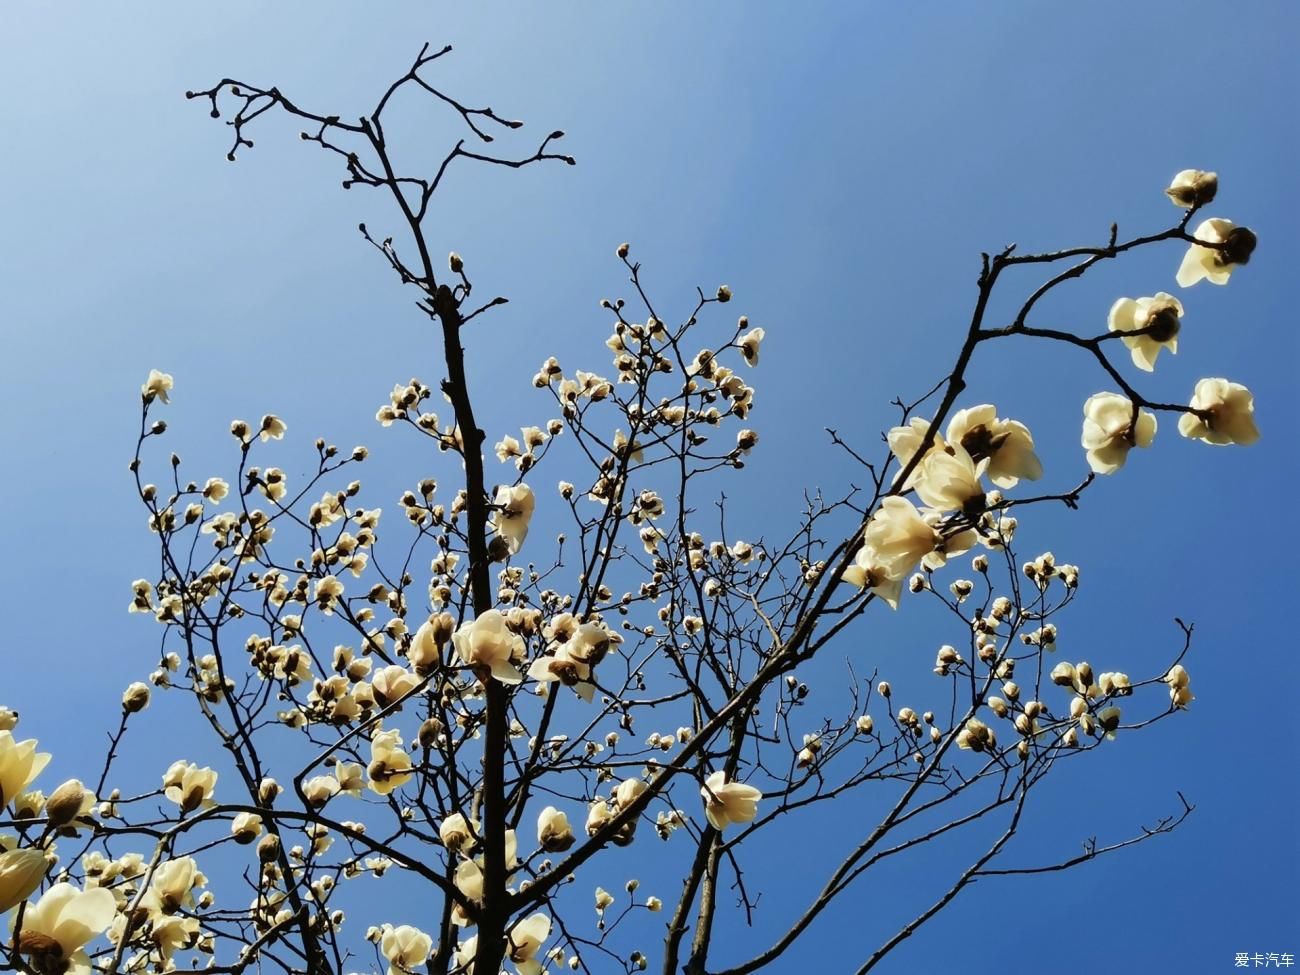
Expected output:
(749, 345)
(392, 683)
(868, 572)
(976, 736)
(390, 766)
(526, 940)
(158, 385)
(21, 872)
(58, 927)
(728, 802)
(1107, 422)
(1180, 686)
(513, 512)
(1193, 188)
(1007, 444)
(172, 885)
(554, 834)
(949, 480)
(1159, 314)
(486, 643)
(1231, 409)
(899, 538)
(566, 667)
(1216, 264)
(69, 802)
(456, 834)
(628, 791)
(406, 948)
(189, 786)
(20, 763)
(904, 442)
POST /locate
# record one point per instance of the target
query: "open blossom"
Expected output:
(406, 948)
(868, 572)
(1109, 431)
(157, 386)
(1007, 444)
(456, 833)
(899, 537)
(20, 763)
(749, 345)
(56, 930)
(513, 512)
(486, 643)
(320, 789)
(189, 786)
(526, 940)
(172, 885)
(272, 428)
(21, 872)
(949, 480)
(390, 766)
(392, 683)
(1216, 264)
(565, 667)
(1231, 409)
(728, 802)
(1160, 314)
(904, 442)
(1193, 188)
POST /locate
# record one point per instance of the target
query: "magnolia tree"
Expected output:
(481, 717)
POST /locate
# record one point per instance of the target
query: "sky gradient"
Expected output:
(841, 167)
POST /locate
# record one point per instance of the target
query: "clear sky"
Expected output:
(841, 166)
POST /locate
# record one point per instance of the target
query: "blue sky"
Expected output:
(841, 166)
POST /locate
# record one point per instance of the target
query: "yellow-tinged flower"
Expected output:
(272, 428)
(246, 828)
(1006, 444)
(172, 885)
(189, 786)
(157, 386)
(1231, 414)
(406, 948)
(526, 940)
(390, 766)
(749, 345)
(728, 802)
(456, 833)
(486, 643)
(21, 872)
(1193, 188)
(1159, 316)
(513, 510)
(949, 480)
(1109, 431)
(68, 803)
(20, 763)
(391, 684)
(57, 928)
(1216, 264)
(976, 736)
(554, 834)
(904, 442)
